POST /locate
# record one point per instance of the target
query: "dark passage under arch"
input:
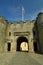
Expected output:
(19, 41)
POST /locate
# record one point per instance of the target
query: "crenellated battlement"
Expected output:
(21, 36)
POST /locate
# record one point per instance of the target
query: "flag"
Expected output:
(23, 10)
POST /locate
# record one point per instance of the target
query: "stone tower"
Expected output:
(39, 25)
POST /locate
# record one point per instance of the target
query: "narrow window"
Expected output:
(9, 33)
(9, 47)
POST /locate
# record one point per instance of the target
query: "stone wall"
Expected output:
(3, 27)
(10, 32)
(40, 30)
(17, 30)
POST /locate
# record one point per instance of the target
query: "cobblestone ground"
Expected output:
(21, 58)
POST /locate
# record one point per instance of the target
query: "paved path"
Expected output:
(20, 58)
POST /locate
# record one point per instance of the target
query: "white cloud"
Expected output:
(34, 15)
(16, 12)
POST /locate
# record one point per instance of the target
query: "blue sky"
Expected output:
(12, 9)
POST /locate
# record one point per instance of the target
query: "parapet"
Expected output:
(3, 20)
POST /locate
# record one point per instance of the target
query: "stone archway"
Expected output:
(21, 41)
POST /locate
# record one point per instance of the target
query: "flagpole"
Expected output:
(22, 14)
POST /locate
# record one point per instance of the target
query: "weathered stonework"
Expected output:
(13, 34)
(39, 23)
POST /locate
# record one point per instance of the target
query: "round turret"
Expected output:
(40, 18)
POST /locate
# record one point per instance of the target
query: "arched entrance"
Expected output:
(22, 41)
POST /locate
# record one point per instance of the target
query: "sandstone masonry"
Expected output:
(13, 34)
